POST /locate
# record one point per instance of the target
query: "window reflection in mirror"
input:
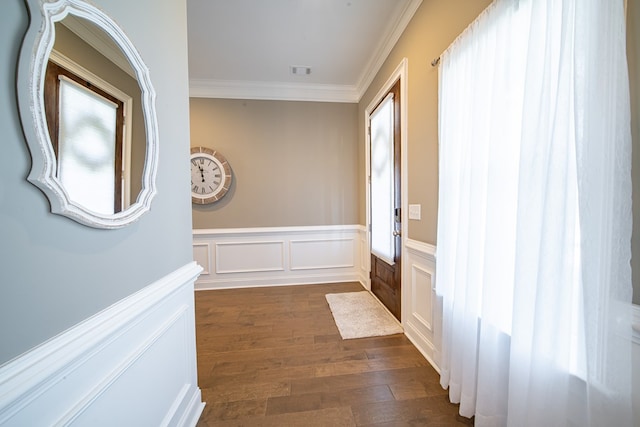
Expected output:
(89, 146)
(94, 118)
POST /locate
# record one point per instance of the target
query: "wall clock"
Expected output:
(210, 175)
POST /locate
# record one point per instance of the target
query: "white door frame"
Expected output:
(400, 73)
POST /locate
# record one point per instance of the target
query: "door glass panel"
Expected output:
(86, 156)
(382, 189)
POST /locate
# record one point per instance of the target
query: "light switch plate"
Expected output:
(414, 211)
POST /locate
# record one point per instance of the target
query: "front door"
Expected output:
(384, 137)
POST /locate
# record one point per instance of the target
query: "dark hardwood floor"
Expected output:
(274, 357)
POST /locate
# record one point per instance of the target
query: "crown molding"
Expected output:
(236, 89)
(384, 49)
(99, 40)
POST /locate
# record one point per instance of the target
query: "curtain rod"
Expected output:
(435, 62)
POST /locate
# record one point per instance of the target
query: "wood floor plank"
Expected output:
(315, 401)
(274, 357)
(235, 392)
(412, 389)
(431, 411)
(232, 410)
(372, 378)
(331, 417)
(368, 365)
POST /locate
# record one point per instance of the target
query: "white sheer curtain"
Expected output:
(534, 221)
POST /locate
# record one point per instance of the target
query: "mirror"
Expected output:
(87, 108)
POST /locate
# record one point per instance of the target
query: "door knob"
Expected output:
(396, 233)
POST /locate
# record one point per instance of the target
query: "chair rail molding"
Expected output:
(273, 256)
(138, 356)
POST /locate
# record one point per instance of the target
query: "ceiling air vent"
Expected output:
(298, 70)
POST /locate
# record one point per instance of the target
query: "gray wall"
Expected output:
(294, 163)
(55, 272)
(633, 55)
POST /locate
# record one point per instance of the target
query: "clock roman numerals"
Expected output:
(210, 175)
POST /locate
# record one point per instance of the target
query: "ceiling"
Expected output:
(245, 48)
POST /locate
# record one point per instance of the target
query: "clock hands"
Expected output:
(215, 175)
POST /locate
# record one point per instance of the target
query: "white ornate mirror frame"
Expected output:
(36, 48)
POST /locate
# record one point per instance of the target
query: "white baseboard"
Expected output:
(131, 364)
(250, 257)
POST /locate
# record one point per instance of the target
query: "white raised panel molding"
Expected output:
(202, 255)
(635, 365)
(249, 257)
(132, 364)
(419, 303)
(365, 260)
(273, 256)
(322, 253)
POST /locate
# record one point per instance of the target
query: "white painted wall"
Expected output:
(635, 364)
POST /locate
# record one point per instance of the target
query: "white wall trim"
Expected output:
(232, 89)
(101, 387)
(635, 360)
(342, 259)
(424, 346)
(206, 247)
(380, 55)
(419, 302)
(273, 230)
(635, 323)
(99, 40)
(76, 375)
(273, 256)
(267, 255)
(416, 272)
(421, 248)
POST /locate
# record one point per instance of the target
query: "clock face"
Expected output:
(210, 175)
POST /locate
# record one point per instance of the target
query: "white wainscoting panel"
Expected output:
(635, 363)
(249, 257)
(202, 255)
(132, 364)
(365, 260)
(275, 256)
(421, 308)
(419, 303)
(322, 253)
